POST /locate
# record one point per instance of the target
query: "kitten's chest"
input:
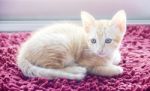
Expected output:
(90, 60)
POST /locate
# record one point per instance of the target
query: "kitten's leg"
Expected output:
(73, 72)
(58, 73)
(75, 69)
(109, 70)
(117, 58)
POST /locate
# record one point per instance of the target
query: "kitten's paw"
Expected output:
(78, 70)
(112, 70)
(117, 70)
(78, 76)
(117, 58)
(109, 70)
(81, 70)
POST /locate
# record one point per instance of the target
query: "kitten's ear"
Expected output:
(119, 20)
(88, 20)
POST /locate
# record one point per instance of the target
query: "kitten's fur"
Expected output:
(66, 51)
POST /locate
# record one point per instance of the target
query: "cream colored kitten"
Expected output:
(69, 51)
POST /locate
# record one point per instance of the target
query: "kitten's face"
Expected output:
(104, 36)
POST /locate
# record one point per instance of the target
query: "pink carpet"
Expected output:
(135, 51)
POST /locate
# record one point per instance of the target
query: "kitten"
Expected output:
(69, 51)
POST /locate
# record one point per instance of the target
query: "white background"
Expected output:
(70, 9)
(29, 15)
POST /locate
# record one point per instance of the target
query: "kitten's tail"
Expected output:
(34, 71)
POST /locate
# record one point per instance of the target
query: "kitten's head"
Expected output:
(104, 36)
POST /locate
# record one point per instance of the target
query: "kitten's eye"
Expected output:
(93, 41)
(108, 40)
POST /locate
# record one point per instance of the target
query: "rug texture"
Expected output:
(135, 50)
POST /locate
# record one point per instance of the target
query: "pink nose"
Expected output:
(100, 53)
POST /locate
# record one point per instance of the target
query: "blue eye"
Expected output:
(108, 40)
(93, 41)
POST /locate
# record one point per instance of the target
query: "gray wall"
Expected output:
(70, 9)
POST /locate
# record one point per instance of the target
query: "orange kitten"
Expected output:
(69, 51)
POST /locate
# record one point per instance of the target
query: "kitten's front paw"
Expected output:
(78, 76)
(117, 70)
(112, 70)
(79, 70)
(117, 58)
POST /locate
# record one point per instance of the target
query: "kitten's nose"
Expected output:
(101, 53)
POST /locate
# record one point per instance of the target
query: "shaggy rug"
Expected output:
(135, 50)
